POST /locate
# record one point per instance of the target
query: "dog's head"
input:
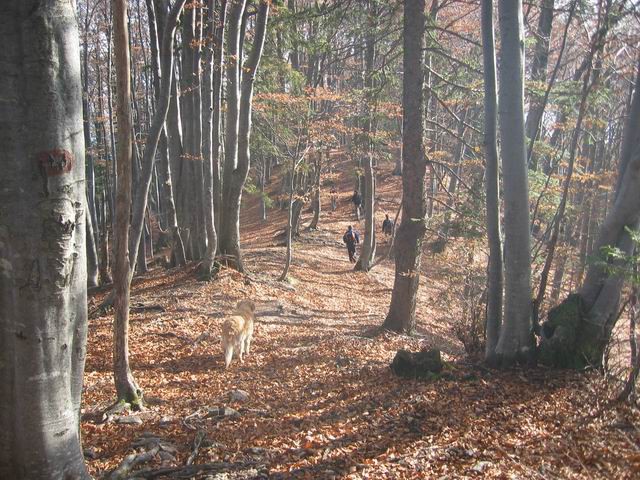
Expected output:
(246, 305)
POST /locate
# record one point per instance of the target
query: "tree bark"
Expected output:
(577, 331)
(601, 290)
(516, 342)
(401, 316)
(212, 83)
(539, 73)
(317, 204)
(43, 277)
(126, 387)
(153, 137)
(156, 11)
(227, 229)
(559, 217)
(92, 254)
(492, 184)
(289, 227)
(86, 114)
(368, 252)
(216, 142)
(237, 161)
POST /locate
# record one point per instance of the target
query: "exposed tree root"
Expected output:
(131, 461)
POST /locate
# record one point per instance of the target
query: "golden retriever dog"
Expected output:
(237, 331)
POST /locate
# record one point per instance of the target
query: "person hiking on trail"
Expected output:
(387, 225)
(357, 203)
(334, 198)
(350, 238)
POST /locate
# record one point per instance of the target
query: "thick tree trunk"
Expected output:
(401, 316)
(516, 342)
(578, 330)
(228, 245)
(43, 277)
(238, 156)
(492, 184)
(126, 388)
(191, 161)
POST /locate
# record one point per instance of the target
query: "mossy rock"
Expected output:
(569, 340)
(426, 364)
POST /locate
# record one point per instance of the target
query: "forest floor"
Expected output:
(322, 401)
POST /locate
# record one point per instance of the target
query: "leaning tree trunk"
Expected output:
(578, 330)
(516, 342)
(235, 173)
(126, 388)
(43, 277)
(153, 137)
(156, 12)
(492, 183)
(402, 311)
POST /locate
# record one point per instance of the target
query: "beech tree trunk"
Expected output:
(227, 244)
(157, 13)
(492, 183)
(126, 387)
(212, 88)
(317, 204)
(368, 252)
(516, 342)
(289, 229)
(239, 102)
(539, 73)
(153, 137)
(577, 331)
(92, 254)
(43, 273)
(401, 316)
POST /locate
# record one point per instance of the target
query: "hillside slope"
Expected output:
(322, 402)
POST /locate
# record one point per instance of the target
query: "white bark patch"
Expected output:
(44, 376)
(59, 228)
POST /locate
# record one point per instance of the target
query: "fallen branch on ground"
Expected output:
(192, 470)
